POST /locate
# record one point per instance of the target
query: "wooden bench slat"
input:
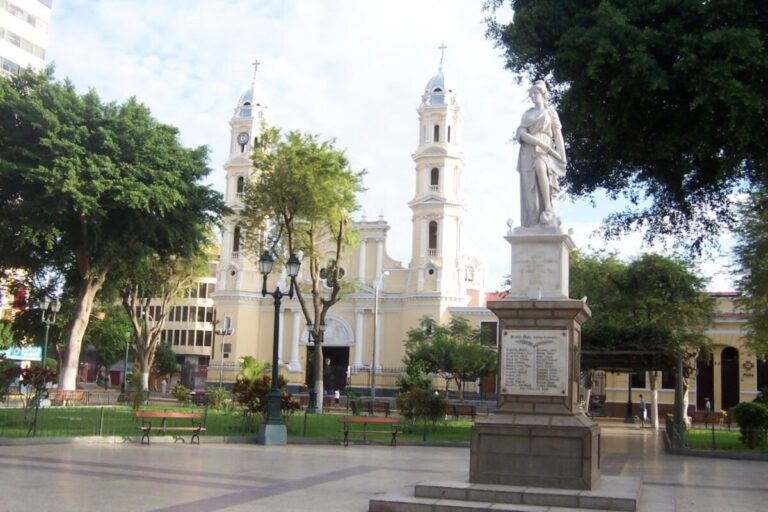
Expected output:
(146, 426)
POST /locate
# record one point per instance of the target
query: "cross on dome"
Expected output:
(442, 48)
(255, 64)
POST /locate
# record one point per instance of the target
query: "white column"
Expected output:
(358, 338)
(424, 235)
(379, 256)
(362, 262)
(294, 365)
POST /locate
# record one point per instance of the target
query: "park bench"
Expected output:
(62, 397)
(393, 430)
(458, 410)
(374, 406)
(146, 426)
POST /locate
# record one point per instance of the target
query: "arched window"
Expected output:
(433, 238)
(434, 178)
(436, 133)
(449, 134)
(469, 274)
(240, 186)
(236, 240)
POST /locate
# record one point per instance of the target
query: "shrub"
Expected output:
(422, 404)
(216, 397)
(752, 418)
(252, 395)
(180, 393)
(355, 403)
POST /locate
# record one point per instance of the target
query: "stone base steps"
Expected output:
(611, 494)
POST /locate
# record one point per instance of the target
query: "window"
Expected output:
(184, 313)
(236, 239)
(240, 186)
(434, 178)
(638, 379)
(207, 338)
(432, 237)
(449, 134)
(436, 133)
(489, 333)
(469, 273)
(199, 338)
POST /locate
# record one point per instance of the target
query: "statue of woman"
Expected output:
(541, 161)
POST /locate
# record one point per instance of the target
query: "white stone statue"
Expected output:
(542, 159)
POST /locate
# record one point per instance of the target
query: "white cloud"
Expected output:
(346, 69)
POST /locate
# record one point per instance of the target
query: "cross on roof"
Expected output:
(255, 67)
(442, 48)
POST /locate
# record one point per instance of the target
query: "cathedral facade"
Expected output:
(439, 281)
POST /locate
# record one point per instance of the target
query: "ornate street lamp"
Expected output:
(273, 429)
(226, 330)
(48, 320)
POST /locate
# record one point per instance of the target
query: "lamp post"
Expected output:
(48, 320)
(628, 417)
(225, 331)
(376, 286)
(273, 429)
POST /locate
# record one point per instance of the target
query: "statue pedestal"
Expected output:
(539, 263)
(539, 436)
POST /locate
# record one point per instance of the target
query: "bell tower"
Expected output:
(438, 206)
(246, 128)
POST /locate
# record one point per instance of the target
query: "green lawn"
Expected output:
(726, 440)
(118, 421)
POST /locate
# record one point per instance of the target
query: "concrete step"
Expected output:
(405, 501)
(610, 493)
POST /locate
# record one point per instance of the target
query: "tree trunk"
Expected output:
(318, 366)
(145, 381)
(75, 331)
(654, 376)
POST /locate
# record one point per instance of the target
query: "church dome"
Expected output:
(436, 83)
(246, 103)
(435, 92)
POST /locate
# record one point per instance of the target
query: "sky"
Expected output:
(349, 70)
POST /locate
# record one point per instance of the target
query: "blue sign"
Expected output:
(26, 353)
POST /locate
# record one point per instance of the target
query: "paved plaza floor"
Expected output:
(328, 478)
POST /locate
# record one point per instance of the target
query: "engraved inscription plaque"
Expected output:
(534, 362)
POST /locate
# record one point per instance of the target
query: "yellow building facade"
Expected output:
(440, 280)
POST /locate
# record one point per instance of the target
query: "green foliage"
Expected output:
(252, 368)
(216, 397)
(762, 397)
(355, 403)
(180, 393)
(165, 360)
(415, 377)
(662, 101)
(7, 376)
(252, 395)
(422, 404)
(108, 335)
(654, 309)
(454, 351)
(751, 262)
(6, 334)
(139, 393)
(88, 187)
(752, 418)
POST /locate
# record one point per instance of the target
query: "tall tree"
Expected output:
(751, 261)
(108, 334)
(148, 293)
(663, 102)
(86, 186)
(300, 200)
(645, 315)
(453, 351)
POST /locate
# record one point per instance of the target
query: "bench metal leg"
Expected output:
(346, 435)
(195, 434)
(145, 435)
